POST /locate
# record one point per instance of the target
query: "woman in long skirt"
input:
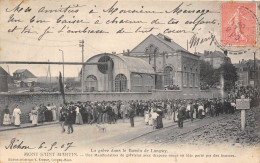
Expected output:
(16, 115)
(194, 114)
(7, 120)
(53, 111)
(146, 117)
(159, 119)
(78, 116)
(34, 116)
(154, 118)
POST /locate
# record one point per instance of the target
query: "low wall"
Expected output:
(28, 100)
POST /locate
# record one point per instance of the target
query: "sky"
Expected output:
(18, 46)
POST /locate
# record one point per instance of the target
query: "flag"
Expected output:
(61, 88)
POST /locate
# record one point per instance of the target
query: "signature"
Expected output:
(19, 144)
(195, 40)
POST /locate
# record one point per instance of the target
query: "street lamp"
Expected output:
(63, 66)
(255, 67)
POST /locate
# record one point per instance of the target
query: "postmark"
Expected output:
(238, 24)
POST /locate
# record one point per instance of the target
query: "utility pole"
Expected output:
(81, 44)
(49, 74)
(63, 69)
(154, 53)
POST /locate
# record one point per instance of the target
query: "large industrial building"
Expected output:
(155, 63)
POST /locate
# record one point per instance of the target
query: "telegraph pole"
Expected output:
(81, 44)
(63, 67)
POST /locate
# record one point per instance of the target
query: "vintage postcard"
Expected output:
(89, 81)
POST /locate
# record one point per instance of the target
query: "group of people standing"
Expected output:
(153, 111)
(38, 114)
(14, 118)
(100, 112)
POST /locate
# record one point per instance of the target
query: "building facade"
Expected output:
(174, 65)
(156, 63)
(216, 58)
(118, 73)
(247, 76)
(24, 78)
(4, 79)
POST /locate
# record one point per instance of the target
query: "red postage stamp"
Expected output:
(238, 24)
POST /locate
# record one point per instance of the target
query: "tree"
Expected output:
(208, 75)
(211, 77)
(230, 75)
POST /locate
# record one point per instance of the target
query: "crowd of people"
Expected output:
(248, 92)
(172, 87)
(38, 114)
(153, 111)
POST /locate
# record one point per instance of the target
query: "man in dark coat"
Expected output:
(109, 113)
(41, 117)
(191, 110)
(131, 116)
(63, 115)
(70, 119)
(181, 115)
(100, 113)
(159, 118)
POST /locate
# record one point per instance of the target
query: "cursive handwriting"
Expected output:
(113, 9)
(55, 145)
(18, 8)
(176, 31)
(18, 144)
(200, 20)
(195, 41)
(179, 10)
(45, 21)
(69, 9)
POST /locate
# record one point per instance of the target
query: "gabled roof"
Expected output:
(173, 45)
(167, 41)
(20, 70)
(3, 72)
(26, 72)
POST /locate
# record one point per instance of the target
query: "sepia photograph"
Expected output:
(88, 81)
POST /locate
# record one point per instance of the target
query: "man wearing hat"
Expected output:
(131, 116)
(191, 110)
(70, 119)
(181, 115)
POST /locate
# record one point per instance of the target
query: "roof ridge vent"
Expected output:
(166, 38)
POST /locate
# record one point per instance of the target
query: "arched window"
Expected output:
(168, 75)
(120, 83)
(184, 76)
(91, 83)
(150, 83)
(191, 78)
(196, 78)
